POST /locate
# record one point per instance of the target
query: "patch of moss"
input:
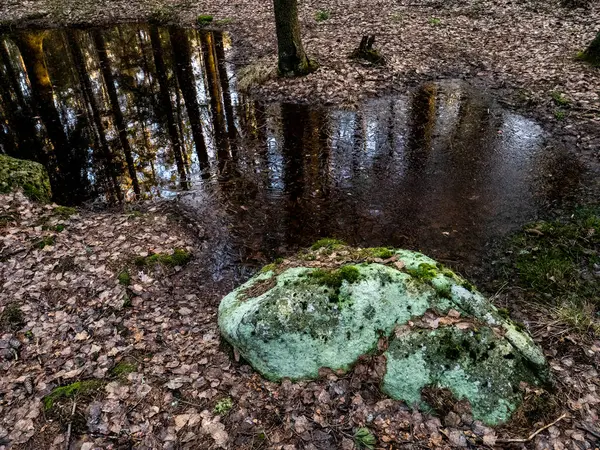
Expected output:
(559, 99)
(59, 228)
(30, 176)
(71, 391)
(124, 277)
(12, 318)
(122, 369)
(425, 272)
(381, 252)
(328, 243)
(179, 257)
(44, 242)
(64, 211)
(204, 19)
(268, 268)
(322, 15)
(335, 278)
(557, 262)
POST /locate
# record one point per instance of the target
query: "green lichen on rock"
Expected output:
(477, 365)
(305, 313)
(30, 176)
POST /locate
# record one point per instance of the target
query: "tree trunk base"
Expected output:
(592, 54)
(366, 52)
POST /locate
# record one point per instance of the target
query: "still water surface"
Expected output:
(139, 111)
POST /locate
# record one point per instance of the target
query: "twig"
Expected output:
(534, 434)
(592, 432)
(69, 426)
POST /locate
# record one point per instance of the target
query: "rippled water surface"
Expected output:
(141, 111)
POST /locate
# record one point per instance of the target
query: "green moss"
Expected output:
(122, 369)
(179, 257)
(424, 272)
(223, 406)
(434, 21)
(559, 99)
(556, 263)
(204, 19)
(59, 228)
(64, 211)
(30, 176)
(44, 242)
(559, 114)
(127, 301)
(268, 268)
(328, 243)
(73, 390)
(124, 277)
(12, 318)
(335, 278)
(381, 252)
(322, 15)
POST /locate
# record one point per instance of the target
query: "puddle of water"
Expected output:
(145, 111)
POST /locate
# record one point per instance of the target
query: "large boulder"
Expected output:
(30, 176)
(329, 306)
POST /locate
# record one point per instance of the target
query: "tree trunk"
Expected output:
(166, 105)
(292, 57)
(30, 46)
(88, 94)
(216, 109)
(592, 54)
(116, 108)
(183, 67)
(220, 52)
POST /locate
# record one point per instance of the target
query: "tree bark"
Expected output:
(292, 57)
(116, 108)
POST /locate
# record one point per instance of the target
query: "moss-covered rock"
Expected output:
(327, 310)
(30, 176)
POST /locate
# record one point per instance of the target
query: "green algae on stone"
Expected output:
(30, 176)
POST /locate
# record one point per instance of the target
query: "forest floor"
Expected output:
(160, 377)
(135, 346)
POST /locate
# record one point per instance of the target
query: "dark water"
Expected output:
(141, 111)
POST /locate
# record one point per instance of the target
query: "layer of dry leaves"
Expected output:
(77, 326)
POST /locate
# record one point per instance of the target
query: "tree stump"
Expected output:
(366, 52)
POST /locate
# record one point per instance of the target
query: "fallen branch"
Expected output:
(534, 434)
(69, 426)
(592, 432)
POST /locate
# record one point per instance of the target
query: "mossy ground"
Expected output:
(71, 391)
(558, 264)
(12, 318)
(179, 257)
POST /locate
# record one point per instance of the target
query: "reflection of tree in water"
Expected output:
(111, 88)
(68, 160)
(182, 56)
